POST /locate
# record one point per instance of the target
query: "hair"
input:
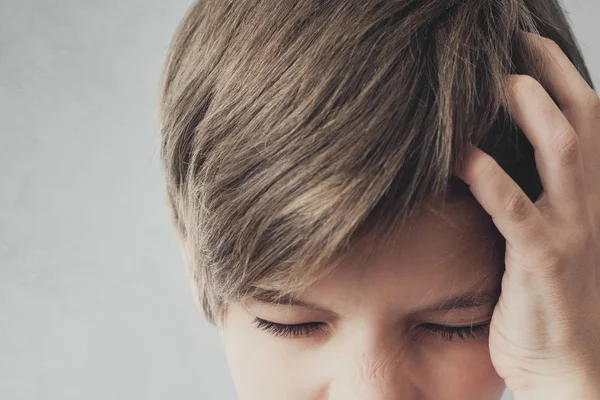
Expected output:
(291, 129)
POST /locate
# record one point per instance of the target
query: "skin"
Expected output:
(544, 335)
(543, 338)
(373, 307)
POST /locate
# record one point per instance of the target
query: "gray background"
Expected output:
(95, 302)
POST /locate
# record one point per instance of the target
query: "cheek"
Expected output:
(267, 368)
(464, 371)
(263, 367)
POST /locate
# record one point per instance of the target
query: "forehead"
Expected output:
(457, 227)
(440, 248)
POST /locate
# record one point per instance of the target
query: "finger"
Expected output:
(556, 146)
(564, 81)
(579, 103)
(515, 216)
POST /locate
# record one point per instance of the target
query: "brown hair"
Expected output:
(292, 128)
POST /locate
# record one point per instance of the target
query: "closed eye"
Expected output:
(286, 330)
(449, 333)
(446, 333)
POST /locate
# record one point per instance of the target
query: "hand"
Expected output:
(545, 329)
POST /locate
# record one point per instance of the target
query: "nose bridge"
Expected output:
(378, 367)
(376, 374)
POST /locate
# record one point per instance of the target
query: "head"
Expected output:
(309, 151)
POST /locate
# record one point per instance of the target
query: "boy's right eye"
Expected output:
(293, 330)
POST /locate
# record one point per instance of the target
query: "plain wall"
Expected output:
(95, 302)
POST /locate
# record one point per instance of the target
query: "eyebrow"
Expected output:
(464, 300)
(275, 298)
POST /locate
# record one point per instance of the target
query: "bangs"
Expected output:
(292, 130)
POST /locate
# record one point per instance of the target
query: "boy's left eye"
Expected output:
(446, 333)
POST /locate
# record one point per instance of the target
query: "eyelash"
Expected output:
(446, 333)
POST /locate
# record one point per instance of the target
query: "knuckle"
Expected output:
(524, 84)
(592, 103)
(551, 44)
(487, 170)
(541, 39)
(566, 247)
(518, 206)
(568, 146)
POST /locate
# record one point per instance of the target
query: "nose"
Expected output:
(375, 376)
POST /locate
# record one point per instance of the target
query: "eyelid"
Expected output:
(427, 330)
(286, 330)
(447, 333)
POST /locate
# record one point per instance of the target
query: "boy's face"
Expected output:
(371, 339)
